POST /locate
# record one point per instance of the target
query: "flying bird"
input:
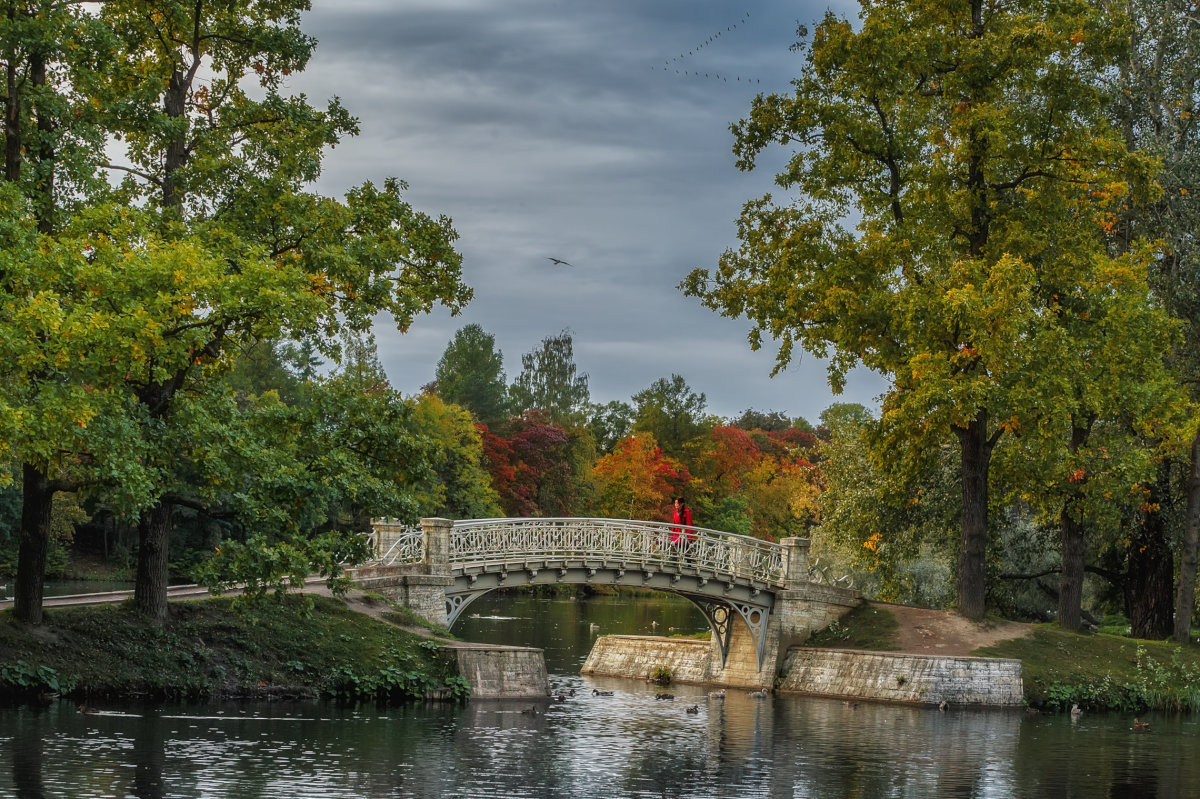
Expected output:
(557, 261)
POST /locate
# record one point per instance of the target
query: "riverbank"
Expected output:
(208, 651)
(1096, 671)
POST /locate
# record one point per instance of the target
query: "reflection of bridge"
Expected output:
(769, 588)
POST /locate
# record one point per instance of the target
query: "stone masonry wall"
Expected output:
(411, 586)
(502, 672)
(874, 676)
(917, 679)
(741, 665)
(809, 607)
(637, 656)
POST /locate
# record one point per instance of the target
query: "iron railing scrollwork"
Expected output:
(648, 545)
(397, 544)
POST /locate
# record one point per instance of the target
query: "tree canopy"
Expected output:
(471, 374)
(670, 411)
(212, 242)
(949, 201)
(549, 382)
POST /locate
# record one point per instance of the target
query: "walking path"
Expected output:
(943, 632)
(191, 591)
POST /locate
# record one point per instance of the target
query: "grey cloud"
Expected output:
(543, 128)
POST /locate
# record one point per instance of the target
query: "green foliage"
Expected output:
(22, 680)
(549, 383)
(671, 412)
(661, 675)
(264, 565)
(730, 514)
(143, 297)
(1022, 547)
(265, 366)
(459, 486)
(471, 374)
(403, 679)
(610, 424)
(10, 513)
(352, 449)
(977, 261)
(1103, 672)
(769, 421)
(1153, 100)
(893, 529)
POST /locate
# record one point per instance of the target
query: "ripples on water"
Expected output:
(625, 745)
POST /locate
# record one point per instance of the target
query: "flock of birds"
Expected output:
(564, 695)
(675, 62)
(681, 65)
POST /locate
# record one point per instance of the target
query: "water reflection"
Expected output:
(27, 756)
(625, 745)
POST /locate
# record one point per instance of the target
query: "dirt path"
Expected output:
(943, 632)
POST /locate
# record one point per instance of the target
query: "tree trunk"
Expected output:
(1151, 572)
(1185, 597)
(43, 149)
(150, 588)
(1070, 584)
(12, 120)
(36, 503)
(174, 104)
(976, 458)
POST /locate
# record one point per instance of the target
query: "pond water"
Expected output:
(625, 745)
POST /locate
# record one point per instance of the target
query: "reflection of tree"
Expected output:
(27, 751)
(149, 754)
(827, 748)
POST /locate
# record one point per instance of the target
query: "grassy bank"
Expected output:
(865, 627)
(209, 651)
(1100, 671)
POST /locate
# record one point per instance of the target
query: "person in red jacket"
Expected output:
(681, 515)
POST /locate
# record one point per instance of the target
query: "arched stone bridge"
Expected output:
(758, 597)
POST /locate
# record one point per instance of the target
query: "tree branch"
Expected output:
(144, 175)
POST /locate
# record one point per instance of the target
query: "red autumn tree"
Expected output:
(637, 481)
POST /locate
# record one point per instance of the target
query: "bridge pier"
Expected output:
(745, 657)
(421, 587)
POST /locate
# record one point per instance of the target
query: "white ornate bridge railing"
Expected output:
(484, 542)
(492, 542)
(396, 543)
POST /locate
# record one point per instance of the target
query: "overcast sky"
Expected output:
(568, 129)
